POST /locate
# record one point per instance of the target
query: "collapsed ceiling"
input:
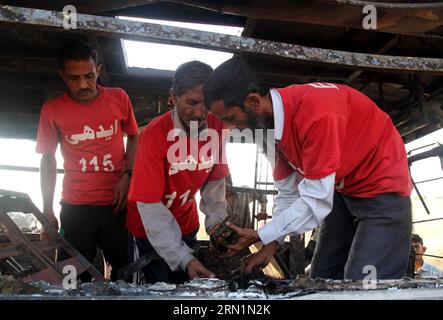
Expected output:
(398, 65)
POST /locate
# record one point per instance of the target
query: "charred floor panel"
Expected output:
(301, 288)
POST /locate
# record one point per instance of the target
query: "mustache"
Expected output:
(84, 90)
(199, 119)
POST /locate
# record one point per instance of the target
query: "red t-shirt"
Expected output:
(91, 143)
(333, 128)
(155, 179)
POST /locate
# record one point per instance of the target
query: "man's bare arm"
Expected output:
(121, 190)
(131, 147)
(48, 178)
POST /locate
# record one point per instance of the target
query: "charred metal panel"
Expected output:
(181, 36)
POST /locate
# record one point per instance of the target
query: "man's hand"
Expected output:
(260, 259)
(196, 269)
(246, 238)
(49, 214)
(121, 193)
(262, 216)
(214, 228)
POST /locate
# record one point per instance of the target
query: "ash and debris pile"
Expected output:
(239, 287)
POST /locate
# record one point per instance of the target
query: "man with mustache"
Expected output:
(422, 268)
(89, 122)
(340, 163)
(168, 172)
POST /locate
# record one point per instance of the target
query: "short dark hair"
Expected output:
(231, 82)
(76, 50)
(417, 238)
(190, 75)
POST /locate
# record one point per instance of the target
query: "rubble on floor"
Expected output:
(301, 287)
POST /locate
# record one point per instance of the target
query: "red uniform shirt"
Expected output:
(91, 142)
(333, 128)
(155, 179)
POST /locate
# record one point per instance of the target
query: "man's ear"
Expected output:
(173, 96)
(61, 74)
(252, 102)
(99, 69)
(424, 249)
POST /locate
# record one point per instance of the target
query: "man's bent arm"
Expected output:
(305, 213)
(164, 234)
(213, 202)
(48, 177)
(131, 147)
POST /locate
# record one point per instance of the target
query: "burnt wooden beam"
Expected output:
(415, 18)
(107, 26)
(391, 5)
(404, 18)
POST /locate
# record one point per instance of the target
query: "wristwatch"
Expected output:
(128, 172)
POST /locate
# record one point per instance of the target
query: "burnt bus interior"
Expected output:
(399, 64)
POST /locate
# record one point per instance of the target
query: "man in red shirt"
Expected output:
(88, 121)
(179, 153)
(340, 163)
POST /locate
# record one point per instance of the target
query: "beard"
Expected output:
(261, 123)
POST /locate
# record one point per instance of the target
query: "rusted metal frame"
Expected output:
(209, 40)
(49, 274)
(81, 265)
(49, 228)
(64, 245)
(10, 250)
(14, 234)
(23, 204)
(50, 271)
(31, 207)
(47, 245)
